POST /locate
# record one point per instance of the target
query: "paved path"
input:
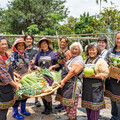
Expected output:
(81, 114)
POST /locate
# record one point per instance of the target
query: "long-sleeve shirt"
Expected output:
(102, 67)
(53, 57)
(5, 77)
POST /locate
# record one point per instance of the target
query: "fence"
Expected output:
(82, 38)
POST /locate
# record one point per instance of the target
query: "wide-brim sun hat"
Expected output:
(48, 40)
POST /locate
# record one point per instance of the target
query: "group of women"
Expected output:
(26, 57)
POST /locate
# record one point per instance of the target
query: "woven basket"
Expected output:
(42, 94)
(113, 71)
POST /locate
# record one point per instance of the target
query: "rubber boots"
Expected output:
(49, 108)
(45, 106)
(16, 114)
(23, 109)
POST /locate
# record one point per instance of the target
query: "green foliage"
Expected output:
(68, 27)
(23, 13)
(110, 17)
(33, 29)
(87, 24)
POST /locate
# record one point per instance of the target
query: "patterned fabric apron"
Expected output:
(7, 91)
(22, 67)
(67, 94)
(93, 92)
(112, 87)
(45, 62)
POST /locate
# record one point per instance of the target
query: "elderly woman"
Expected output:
(44, 59)
(102, 45)
(7, 84)
(69, 92)
(31, 51)
(93, 87)
(112, 87)
(20, 63)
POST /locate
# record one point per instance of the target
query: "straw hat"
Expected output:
(48, 40)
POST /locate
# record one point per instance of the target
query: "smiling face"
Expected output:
(44, 46)
(92, 51)
(3, 46)
(117, 40)
(101, 45)
(63, 44)
(28, 41)
(75, 51)
(20, 47)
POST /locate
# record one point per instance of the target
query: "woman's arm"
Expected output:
(76, 68)
(5, 76)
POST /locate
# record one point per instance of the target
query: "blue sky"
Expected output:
(77, 7)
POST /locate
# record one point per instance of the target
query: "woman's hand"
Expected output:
(50, 68)
(93, 76)
(17, 86)
(62, 83)
(37, 68)
(17, 80)
(17, 76)
(29, 70)
(31, 63)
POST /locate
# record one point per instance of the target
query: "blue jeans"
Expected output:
(115, 111)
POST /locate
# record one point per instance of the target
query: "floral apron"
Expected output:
(93, 91)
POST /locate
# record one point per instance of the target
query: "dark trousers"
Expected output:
(18, 102)
(3, 114)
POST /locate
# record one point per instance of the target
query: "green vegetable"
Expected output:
(23, 82)
(28, 81)
(30, 78)
(28, 90)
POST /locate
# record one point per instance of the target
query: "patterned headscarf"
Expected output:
(15, 49)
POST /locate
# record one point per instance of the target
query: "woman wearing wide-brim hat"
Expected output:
(45, 58)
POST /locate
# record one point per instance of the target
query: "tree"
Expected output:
(33, 29)
(68, 27)
(110, 18)
(97, 1)
(87, 24)
(23, 13)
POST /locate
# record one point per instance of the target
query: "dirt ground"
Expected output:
(81, 114)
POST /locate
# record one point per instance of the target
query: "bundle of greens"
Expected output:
(49, 76)
(28, 90)
(115, 60)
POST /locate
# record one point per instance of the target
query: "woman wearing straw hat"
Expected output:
(44, 59)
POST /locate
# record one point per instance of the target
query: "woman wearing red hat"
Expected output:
(20, 63)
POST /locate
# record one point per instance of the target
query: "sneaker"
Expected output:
(37, 103)
(59, 106)
(61, 109)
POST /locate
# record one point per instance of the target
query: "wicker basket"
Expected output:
(42, 94)
(113, 71)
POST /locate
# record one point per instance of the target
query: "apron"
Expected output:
(93, 92)
(112, 87)
(22, 67)
(67, 94)
(7, 99)
(45, 62)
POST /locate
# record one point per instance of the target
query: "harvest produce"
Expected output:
(115, 60)
(36, 84)
(88, 71)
